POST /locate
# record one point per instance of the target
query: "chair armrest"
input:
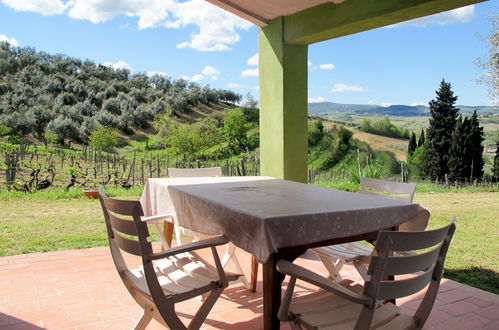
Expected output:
(301, 273)
(159, 217)
(211, 242)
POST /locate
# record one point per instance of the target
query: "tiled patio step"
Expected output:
(80, 289)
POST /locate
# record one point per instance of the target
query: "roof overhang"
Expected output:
(261, 12)
(311, 21)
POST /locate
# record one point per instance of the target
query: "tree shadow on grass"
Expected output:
(478, 277)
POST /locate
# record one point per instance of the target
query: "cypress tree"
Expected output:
(476, 147)
(495, 169)
(439, 133)
(421, 138)
(412, 144)
(459, 158)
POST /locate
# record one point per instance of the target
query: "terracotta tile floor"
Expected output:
(80, 289)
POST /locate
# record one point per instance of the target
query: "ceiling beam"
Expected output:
(235, 9)
(329, 20)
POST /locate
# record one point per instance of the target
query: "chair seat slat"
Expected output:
(314, 301)
(331, 251)
(327, 311)
(402, 321)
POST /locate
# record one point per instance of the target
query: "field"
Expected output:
(415, 123)
(397, 146)
(46, 222)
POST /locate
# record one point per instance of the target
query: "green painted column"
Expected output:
(283, 105)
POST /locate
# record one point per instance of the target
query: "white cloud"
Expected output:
(44, 7)
(459, 15)
(11, 41)
(118, 65)
(256, 88)
(216, 29)
(253, 60)
(150, 12)
(152, 73)
(234, 85)
(197, 77)
(385, 104)
(339, 88)
(309, 63)
(214, 78)
(327, 66)
(210, 71)
(315, 99)
(250, 73)
(419, 103)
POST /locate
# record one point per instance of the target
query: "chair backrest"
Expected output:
(194, 172)
(125, 230)
(368, 185)
(428, 267)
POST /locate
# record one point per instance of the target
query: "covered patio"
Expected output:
(80, 289)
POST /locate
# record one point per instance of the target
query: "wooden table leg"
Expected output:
(271, 293)
(168, 232)
(254, 273)
(272, 281)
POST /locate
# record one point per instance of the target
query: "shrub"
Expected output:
(112, 105)
(88, 125)
(105, 118)
(65, 128)
(50, 137)
(103, 138)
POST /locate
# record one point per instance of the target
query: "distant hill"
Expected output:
(392, 110)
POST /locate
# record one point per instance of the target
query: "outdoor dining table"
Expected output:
(273, 218)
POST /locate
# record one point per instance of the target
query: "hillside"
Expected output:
(62, 101)
(58, 98)
(326, 108)
(396, 146)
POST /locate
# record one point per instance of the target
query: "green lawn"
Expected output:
(45, 223)
(472, 256)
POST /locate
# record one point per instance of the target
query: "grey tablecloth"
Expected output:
(263, 214)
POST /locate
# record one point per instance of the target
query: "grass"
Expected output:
(53, 220)
(45, 222)
(56, 193)
(472, 257)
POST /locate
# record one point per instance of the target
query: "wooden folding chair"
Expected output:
(167, 277)
(335, 256)
(337, 307)
(181, 233)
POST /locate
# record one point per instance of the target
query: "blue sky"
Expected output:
(403, 64)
